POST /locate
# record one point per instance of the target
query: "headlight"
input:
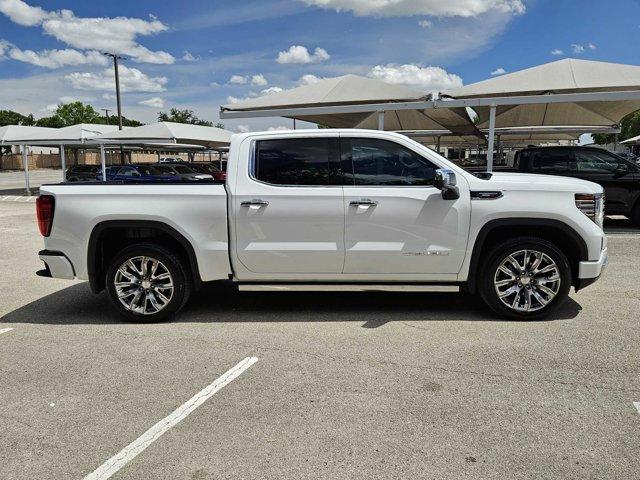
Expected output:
(592, 205)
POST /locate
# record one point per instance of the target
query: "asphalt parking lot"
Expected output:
(361, 384)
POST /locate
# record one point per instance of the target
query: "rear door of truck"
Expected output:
(288, 219)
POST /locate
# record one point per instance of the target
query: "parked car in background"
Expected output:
(619, 177)
(171, 160)
(183, 171)
(335, 206)
(82, 173)
(137, 173)
(210, 168)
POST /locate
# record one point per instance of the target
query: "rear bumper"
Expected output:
(57, 265)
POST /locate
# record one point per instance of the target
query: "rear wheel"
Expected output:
(525, 278)
(147, 283)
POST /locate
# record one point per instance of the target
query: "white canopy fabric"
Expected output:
(357, 90)
(168, 132)
(564, 76)
(631, 141)
(73, 135)
(8, 133)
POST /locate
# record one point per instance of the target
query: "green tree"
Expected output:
(51, 122)
(182, 116)
(76, 112)
(629, 127)
(113, 120)
(9, 117)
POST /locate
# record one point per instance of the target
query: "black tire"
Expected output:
(178, 275)
(500, 253)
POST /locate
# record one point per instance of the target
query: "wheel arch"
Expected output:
(128, 232)
(496, 231)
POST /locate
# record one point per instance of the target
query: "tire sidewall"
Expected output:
(495, 258)
(175, 267)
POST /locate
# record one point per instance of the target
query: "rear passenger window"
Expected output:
(552, 161)
(295, 161)
(370, 161)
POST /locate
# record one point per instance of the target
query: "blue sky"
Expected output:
(207, 53)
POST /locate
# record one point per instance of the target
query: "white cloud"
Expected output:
(108, 96)
(577, 48)
(58, 58)
(116, 34)
(188, 57)
(591, 46)
(258, 80)
(52, 107)
(557, 51)
(238, 80)
(155, 102)
(4, 46)
(131, 80)
(232, 99)
(499, 71)
(243, 128)
(300, 54)
(308, 79)
(270, 90)
(425, 23)
(21, 13)
(435, 8)
(429, 79)
(278, 128)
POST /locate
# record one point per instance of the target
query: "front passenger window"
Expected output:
(589, 161)
(370, 161)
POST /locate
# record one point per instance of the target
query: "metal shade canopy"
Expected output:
(72, 135)
(9, 133)
(562, 77)
(350, 90)
(169, 132)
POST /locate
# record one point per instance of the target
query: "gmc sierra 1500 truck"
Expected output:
(328, 206)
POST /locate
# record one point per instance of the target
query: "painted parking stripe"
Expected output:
(5, 330)
(128, 453)
(637, 405)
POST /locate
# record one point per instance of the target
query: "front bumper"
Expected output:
(57, 265)
(589, 272)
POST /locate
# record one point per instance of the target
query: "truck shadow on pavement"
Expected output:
(223, 303)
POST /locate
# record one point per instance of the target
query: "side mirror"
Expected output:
(445, 181)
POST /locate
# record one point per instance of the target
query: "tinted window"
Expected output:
(128, 172)
(595, 162)
(299, 161)
(551, 161)
(144, 170)
(369, 161)
(183, 169)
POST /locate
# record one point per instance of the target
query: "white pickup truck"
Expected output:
(328, 206)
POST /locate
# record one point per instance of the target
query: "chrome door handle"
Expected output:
(256, 202)
(365, 202)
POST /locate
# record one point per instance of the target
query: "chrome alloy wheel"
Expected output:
(143, 285)
(527, 280)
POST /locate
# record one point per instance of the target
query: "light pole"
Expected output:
(106, 112)
(117, 57)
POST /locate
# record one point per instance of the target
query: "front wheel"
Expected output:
(525, 278)
(147, 283)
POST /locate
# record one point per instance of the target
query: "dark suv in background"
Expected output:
(619, 177)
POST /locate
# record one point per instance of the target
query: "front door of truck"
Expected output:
(288, 219)
(396, 220)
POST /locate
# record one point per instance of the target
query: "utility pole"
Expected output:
(106, 112)
(117, 57)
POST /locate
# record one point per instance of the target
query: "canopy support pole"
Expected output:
(438, 144)
(25, 161)
(492, 131)
(63, 164)
(381, 120)
(103, 163)
(220, 157)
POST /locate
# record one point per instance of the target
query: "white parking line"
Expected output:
(5, 330)
(637, 405)
(128, 453)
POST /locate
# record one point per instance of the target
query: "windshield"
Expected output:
(183, 169)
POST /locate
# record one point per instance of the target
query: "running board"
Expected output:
(348, 287)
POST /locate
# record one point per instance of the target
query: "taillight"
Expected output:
(45, 205)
